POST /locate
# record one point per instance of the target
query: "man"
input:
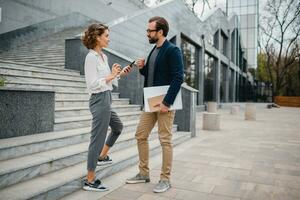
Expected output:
(164, 66)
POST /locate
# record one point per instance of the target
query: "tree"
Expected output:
(261, 73)
(280, 28)
(293, 80)
(191, 4)
(146, 2)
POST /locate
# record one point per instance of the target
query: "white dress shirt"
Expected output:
(96, 70)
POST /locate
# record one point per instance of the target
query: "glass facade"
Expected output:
(231, 84)
(247, 10)
(223, 78)
(189, 58)
(224, 44)
(216, 40)
(209, 77)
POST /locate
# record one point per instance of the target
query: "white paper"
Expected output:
(160, 90)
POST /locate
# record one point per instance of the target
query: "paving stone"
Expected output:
(122, 193)
(257, 160)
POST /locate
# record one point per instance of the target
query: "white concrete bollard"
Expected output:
(212, 107)
(235, 109)
(211, 121)
(250, 111)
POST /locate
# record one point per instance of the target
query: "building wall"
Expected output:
(21, 13)
(128, 36)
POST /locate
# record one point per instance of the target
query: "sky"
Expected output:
(198, 6)
(213, 3)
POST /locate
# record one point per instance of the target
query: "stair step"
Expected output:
(27, 167)
(117, 180)
(84, 110)
(44, 80)
(43, 86)
(18, 65)
(29, 52)
(46, 61)
(82, 124)
(77, 95)
(126, 115)
(59, 183)
(24, 145)
(67, 106)
(41, 57)
(32, 57)
(65, 123)
(41, 75)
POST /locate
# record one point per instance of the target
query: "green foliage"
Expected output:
(292, 81)
(252, 72)
(261, 71)
(2, 81)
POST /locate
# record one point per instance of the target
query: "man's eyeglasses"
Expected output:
(149, 30)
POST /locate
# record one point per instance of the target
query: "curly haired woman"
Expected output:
(99, 79)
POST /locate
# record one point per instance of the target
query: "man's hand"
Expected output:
(140, 63)
(162, 107)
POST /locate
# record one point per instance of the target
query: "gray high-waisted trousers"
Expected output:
(103, 116)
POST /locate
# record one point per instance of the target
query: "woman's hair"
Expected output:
(90, 35)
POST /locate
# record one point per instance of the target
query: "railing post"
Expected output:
(186, 118)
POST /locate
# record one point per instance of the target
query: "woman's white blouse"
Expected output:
(96, 70)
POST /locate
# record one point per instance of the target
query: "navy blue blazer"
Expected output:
(168, 70)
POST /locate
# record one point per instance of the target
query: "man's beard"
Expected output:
(152, 40)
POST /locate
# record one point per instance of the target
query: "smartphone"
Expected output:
(131, 64)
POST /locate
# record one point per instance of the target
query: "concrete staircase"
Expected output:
(48, 51)
(52, 165)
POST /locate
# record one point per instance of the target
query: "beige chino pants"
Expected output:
(145, 126)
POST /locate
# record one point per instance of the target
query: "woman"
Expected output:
(99, 79)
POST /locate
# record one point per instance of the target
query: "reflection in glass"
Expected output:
(189, 59)
(231, 85)
(223, 75)
(223, 43)
(209, 77)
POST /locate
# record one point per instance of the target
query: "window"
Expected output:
(223, 77)
(252, 2)
(210, 39)
(189, 57)
(224, 43)
(209, 77)
(251, 21)
(251, 10)
(216, 40)
(231, 84)
(233, 41)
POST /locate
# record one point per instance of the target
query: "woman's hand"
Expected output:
(116, 70)
(126, 70)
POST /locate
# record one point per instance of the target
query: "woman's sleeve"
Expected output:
(92, 78)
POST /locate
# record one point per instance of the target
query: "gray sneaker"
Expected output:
(138, 179)
(162, 186)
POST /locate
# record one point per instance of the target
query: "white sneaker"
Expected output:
(96, 186)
